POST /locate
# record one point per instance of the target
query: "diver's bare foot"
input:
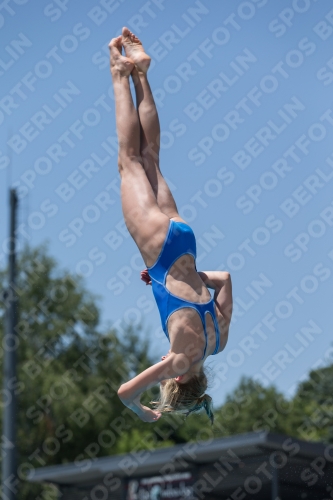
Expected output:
(118, 63)
(135, 51)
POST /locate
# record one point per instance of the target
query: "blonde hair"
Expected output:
(185, 398)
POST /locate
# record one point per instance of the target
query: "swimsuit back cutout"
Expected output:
(180, 240)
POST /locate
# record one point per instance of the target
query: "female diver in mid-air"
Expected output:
(195, 324)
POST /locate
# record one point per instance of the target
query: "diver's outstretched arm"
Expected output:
(130, 392)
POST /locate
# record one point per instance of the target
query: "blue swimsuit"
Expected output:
(180, 240)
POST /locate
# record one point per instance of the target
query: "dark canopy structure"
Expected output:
(256, 465)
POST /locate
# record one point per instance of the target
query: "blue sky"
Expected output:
(244, 92)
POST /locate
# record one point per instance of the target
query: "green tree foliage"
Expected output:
(68, 372)
(307, 415)
(312, 413)
(250, 407)
(253, 408)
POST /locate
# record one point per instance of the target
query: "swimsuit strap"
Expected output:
(210, 310)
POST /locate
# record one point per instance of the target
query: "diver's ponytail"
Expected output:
(208, 406)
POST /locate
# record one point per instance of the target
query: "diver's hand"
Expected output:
(148, 415)
(145, 277)
(143, 412)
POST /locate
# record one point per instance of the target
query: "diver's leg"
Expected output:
(145, 221)
(149, 124)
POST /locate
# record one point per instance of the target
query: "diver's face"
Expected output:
(181, 379)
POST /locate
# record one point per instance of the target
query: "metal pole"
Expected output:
(275, 485)
(9, 458)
